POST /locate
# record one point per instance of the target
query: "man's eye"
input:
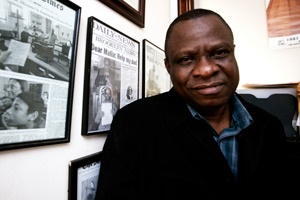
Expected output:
(185, 60)
(221, 53)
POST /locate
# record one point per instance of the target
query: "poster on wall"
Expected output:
(111, 75)
(38, 44)
(83, 177)
(156, 78)
(283, 18)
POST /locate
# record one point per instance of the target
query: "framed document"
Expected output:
(156, 78)
(38, 45)
(111, 75)
(83, 177)
(134, 10)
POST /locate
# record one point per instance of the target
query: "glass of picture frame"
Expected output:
(37, 68)
(111, 75)
(156, 78)
(83, 177)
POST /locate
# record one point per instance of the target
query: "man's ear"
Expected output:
(167, 65)
(32, 116)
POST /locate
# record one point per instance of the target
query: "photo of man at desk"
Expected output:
(49, 43)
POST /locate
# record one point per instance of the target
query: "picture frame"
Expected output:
(156, 78)
(111, 75)
(134, 10)
(184, 6)
(39, 46)
(83, 177)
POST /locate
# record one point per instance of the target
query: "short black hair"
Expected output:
(33, 100)
(192, 14)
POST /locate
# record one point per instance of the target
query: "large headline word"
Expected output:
(113, 34)
(114, 55)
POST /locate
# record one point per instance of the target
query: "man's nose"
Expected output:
(204, 67)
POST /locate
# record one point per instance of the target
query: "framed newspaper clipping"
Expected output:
(156, 78)
(38, 45)
(83, 177)
(111, 75)
(134, 10)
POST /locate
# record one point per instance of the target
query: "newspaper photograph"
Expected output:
(156, 78)
(112, 68)
(87, 181)
(37, 42)
(31, 108)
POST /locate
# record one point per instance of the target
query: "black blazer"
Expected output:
(157, 150)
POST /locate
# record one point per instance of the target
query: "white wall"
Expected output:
(257, 62)
(41, 173)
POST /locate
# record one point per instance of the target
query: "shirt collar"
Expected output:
(240, 115)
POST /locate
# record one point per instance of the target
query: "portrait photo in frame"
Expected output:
(83, 177)
(111, 78)
(134, 10)
(38, 47)
(156, 79)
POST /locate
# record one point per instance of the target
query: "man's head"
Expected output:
(25, 111)
(200, 59)
(15, 87)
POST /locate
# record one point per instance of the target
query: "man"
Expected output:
(25, 112)
(200, 140)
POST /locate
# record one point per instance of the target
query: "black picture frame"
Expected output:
(41, 63)
(156, 79)
(83, 177)
(111, 78)
(136, 14)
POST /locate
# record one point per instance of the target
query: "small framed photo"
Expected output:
(83, 177)
(38, 46)
(134, 10)
(156, 78)
(111, 75)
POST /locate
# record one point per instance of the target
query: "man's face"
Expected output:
(14, 88)
(201, 62)
(17, 114)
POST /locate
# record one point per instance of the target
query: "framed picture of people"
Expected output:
(111, 75)
(83, 177)
(38, 45)
(156, 78)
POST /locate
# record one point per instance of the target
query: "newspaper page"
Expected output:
(87, 181)
(113, 75)
(34, 80)
(157, 79)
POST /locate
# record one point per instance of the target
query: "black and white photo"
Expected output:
(111, 75)
(38, 45)
(83, 177)
(156, 79)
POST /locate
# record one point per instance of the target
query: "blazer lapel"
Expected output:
(179, 118)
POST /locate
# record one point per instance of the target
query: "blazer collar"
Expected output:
(178, 117)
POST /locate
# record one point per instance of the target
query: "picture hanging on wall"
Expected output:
(111, 75)
(184, 6)
(38, 46)
(134, 10)
(156, 78)
(83, 177)
(283, 23)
